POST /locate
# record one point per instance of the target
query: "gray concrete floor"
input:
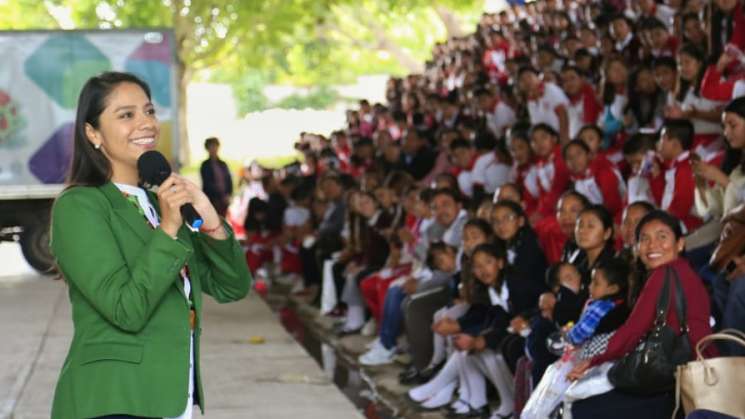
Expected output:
(276, 379)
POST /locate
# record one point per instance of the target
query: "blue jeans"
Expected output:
(392, 316)
(699, 260)
(707, 414)
(733, 311)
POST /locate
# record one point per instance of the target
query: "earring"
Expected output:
(97, 146)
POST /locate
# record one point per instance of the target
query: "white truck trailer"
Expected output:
(41, 74)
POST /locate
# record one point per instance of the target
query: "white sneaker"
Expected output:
(373, 343)
(378, 355)
(420, 394)
(369, 328)
(497, 415)
(460, 407)
(441, 398)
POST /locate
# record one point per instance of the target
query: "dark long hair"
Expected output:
(684, 85)
(497, 251)
(89, 166)
(519, 212)
(605, 218)
(734, 156)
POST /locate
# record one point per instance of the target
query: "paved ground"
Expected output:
(242, 380)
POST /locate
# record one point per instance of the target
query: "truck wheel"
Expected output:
(35, 246)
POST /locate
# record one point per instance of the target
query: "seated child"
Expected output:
(606, 310)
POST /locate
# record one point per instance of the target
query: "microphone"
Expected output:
(154, 170)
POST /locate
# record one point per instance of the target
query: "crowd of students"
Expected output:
(526, 192)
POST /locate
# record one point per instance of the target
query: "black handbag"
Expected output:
(650, 368)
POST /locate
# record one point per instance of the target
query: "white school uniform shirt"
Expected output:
(639, 190)
(543, 109)
(701, 126)
(588, 187)
(530, 179)
(575, 114)
(489, 172)
(501, 298)
(465, 182)
(668, 194)
(501, 118)
(454, 232)
(738, 89)
(152, 218)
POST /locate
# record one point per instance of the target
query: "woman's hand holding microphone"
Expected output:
(177, 191)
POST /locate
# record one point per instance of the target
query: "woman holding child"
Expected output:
(660, 244)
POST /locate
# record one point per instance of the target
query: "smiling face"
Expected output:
(657, 244)
(486, 268)
(127, 128)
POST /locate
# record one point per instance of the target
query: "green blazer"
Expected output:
(130, 350)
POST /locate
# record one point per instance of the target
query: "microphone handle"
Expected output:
(191, 216)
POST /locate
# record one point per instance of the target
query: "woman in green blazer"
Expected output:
(135, 273)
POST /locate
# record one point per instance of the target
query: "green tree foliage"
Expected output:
(319, 97)
(250, 43)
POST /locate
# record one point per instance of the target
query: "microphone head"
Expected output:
(153, 168)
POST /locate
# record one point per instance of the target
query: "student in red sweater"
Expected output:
(553, 232)
(673, 186)
(553, 176)
(715, 87)
(584, 107)
(599, 183)
(660, 243)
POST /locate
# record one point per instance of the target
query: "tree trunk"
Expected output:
(184, 151)
(181, 29)
(450, 20)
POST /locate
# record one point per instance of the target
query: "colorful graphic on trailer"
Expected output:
(40, 80)
(11, 121)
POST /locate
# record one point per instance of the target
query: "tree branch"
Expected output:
(385, 42)
(450, 20)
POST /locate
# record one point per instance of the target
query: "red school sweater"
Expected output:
(641, 320)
